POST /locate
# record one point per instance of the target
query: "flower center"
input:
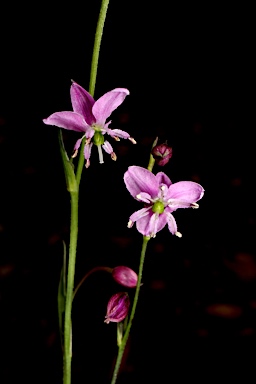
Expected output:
(158, 207)
(97, 128)
(98, 138)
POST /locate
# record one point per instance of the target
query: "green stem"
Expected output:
(70, 287)
(151, 158)
(93, 75)
(96, 48)
(136, 296)
(135, 301)
(74, 195)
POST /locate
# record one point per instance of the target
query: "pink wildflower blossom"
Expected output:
(160, 198)
(89, 117)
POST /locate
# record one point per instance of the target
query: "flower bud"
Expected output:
(162, 154)
(117, 308)
(125, 276)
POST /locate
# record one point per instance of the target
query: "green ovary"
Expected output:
(158, 207)
(98, 138)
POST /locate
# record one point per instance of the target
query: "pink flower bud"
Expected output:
(117, 308)
(162, 154)
(125, 276)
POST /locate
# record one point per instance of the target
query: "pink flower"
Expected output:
(89, 117)
(160, 198)
(125, 276)
(117, 308)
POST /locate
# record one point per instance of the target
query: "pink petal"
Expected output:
(89, 133)
(156, 223)
(67, 120)
(82, 102)
(153, 224)
(143, 226)
(107, 147)
(117, 133)
(87, 151)
(172, 226)
(139, 214)
(78, 143)
(161, 221)
(138, 179)
(150, 225)
(107, 103)
(185, 192)
(145, 197)
(162, 178)
(175, 204)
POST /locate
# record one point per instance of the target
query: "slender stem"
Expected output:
(93, 75)
(122, 345)
(107, 269)
(74, 196)
(135, 301)
(70, 287)
(151, 158)
(97, 42)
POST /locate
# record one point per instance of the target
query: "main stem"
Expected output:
(70, 287)
(97, 43)
(136, 296)
(74, 209)
(93, 74)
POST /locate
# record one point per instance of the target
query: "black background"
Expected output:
(190, 71)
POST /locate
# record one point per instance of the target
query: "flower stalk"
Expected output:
(96, 269)
(70, 286)
(93, 74)
(122, 342)
(134, 305)
(97, 43)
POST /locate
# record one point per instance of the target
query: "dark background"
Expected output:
(190, 72)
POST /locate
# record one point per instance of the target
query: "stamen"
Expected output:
(87, 165)
(87, 141)
(194, 205)
(132, 140)
(75, 154)
(116, 138)
(178, 234)
(100, 154)
(162, 187)
(130, 224)
(156, 220)
(143, 198)
(113, 156)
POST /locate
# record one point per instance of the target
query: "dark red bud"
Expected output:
(125, 276)
(117, 308)
(162, 154)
